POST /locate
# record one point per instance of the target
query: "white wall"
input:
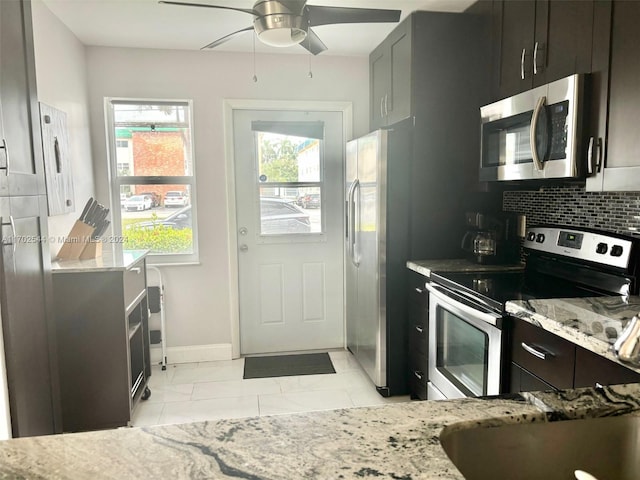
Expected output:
(197, 299)
(61, 75)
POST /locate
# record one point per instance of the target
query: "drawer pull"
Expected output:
(419, 329)
(418, 375)
(419, 290)
(137, 270)
(541, 354)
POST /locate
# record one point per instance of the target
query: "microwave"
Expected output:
(535, 135)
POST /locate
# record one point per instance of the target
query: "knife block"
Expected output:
(78, 239)
(93, 249)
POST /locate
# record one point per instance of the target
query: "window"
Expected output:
(152, 177)
(290, 167)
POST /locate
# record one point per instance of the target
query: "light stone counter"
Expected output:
(398, 441)
(425, 267)
(593, 323)
(112, 260)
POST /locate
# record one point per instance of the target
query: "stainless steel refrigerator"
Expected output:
(376, 249)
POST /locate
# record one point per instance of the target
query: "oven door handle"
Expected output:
(439, 293)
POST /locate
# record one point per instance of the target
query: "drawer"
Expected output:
(134, 283)
(592, 369)
(544, 354)
(418, 338)
(418, 384)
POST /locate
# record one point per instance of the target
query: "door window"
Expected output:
(290, 177)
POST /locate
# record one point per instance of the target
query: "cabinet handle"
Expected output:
(538, 48)
(541, 354)
(524, 53)
(386, 105)
(419, 329)
(381, 107)
(419, 290)
(137, 270)
(6, 155)
(419, 375)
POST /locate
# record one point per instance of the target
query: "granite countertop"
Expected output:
(111, 260)
(398, 441)
(425, 267)
(593, 323)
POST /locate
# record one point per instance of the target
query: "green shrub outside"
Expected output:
(160, 239)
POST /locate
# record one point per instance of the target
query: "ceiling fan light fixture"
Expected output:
(280, 30)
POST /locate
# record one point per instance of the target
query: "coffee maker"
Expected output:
(493, 238)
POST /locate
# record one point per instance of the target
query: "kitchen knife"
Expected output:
(100, 229)
(92, 210)
(100, 215)
(86, 209)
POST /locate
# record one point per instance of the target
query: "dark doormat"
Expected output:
(287, 365)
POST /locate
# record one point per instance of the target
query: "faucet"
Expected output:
(627, 346)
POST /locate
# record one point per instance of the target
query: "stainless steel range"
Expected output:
(466, 310)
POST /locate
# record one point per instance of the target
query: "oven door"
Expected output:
(465, 346)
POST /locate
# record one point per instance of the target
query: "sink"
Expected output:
(607, 448)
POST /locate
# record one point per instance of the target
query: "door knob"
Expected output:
(244, 248)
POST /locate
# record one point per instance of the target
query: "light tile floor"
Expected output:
(216, 390)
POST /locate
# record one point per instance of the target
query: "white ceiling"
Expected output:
(147, 24)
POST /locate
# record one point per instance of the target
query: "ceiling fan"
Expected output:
(283, 23)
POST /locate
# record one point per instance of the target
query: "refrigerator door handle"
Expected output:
(352, 222)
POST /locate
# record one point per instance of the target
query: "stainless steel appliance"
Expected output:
(466, 311)
(537, 134)
(493, 238)
(387, 212)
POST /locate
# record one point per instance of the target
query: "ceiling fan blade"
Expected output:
(206, 5)
(220, 41)
(313, 43)
(319, 15)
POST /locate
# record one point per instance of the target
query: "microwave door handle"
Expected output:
(537, 163)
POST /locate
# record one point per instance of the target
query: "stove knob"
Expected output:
(602, 248)
(616, 251)
(540, 238)
(531, 236)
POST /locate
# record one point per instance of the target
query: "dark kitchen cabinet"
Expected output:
(390, 77)
(615, 159)
(21, 164)
(537, 42)
(546, 356)
(27, 325)
(102, 328)
(592, 370)
(25, 278)
(418, 324)
(541, 360)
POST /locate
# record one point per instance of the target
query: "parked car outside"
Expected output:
(177, 220)
(280, 216)
(155, 198)
(137, 203)
(175, 198)
(311, 201)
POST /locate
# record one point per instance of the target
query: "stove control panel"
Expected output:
(593, 247)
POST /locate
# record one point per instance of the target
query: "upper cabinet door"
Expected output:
(21, 164)
(540, 42)
(515, 23)
(390, 76)
(617, 162)
(562, 43)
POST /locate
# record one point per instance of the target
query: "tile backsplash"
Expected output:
(573, 206)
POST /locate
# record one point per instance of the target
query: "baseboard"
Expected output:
(192, 354)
